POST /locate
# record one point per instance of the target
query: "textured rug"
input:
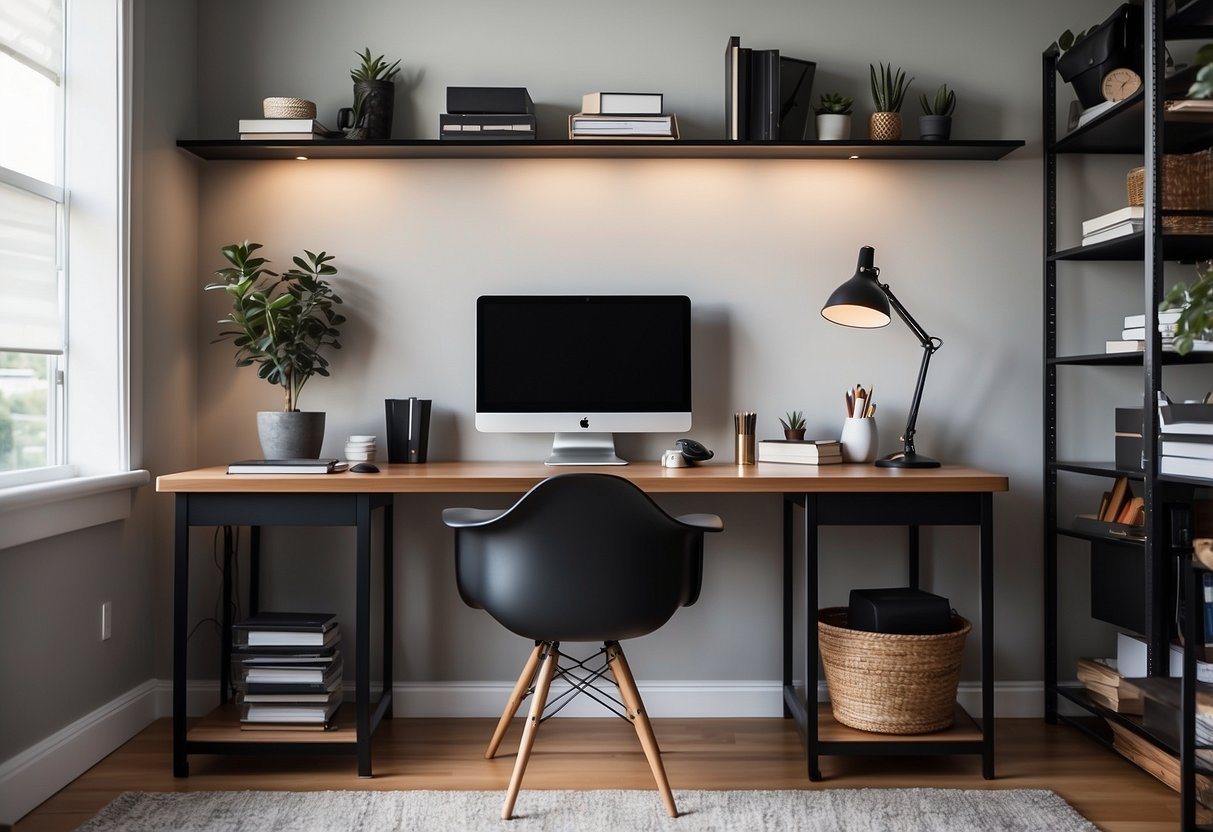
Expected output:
(825, 810)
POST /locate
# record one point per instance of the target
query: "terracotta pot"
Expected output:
(796, 434)
(885, 126)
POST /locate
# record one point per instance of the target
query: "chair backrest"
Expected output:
(580, 557)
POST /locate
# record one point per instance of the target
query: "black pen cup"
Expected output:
(408, 429)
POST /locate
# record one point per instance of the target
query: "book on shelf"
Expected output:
(1112, 232)
(1110, 347)
(764, 95)
(275, 657)
(320, 698)
(736, 89)
(1182, 466)
(1192, 448)
(795, 98)
(288, 726)
(1138, 333)
(322, 676)
(1168, 318)
(804, 451)
(582, 126)
(1091, 113)
(1136, 213)
(1185, 419)
(303, 126)
(622, 103)
(286, 466)
(287, 137)
(1106, 686)
(285, 628)
(332, 683)
(289, 714)
(505, 100)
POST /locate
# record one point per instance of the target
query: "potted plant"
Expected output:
(935, 123)
(282, 323)
(834, 117)
(793, 425)
(373, 80)
(888, 92)
(1196, 302)
(1202, 87)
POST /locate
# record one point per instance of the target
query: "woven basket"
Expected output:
(1187, 184)
(888, 683)
(288, 108)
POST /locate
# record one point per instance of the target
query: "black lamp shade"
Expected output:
(859, 302)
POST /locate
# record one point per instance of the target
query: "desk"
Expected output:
(827, 495)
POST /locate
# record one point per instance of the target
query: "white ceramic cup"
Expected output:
(859, 439)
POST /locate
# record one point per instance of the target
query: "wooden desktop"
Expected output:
(847, 494)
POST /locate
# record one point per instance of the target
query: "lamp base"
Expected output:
(901, 459)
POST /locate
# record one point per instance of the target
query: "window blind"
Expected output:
(29, 273)
(32, 32)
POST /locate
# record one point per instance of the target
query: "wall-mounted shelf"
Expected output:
(247, 150)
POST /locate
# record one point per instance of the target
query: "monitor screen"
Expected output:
(588, 364)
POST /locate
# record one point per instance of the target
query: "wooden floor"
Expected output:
(604, 753)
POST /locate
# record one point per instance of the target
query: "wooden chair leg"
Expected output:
(542, 684)
(516, 697)
(640, 720)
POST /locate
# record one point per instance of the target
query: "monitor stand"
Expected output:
(584, 449)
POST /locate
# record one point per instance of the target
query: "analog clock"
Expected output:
(1120, 83)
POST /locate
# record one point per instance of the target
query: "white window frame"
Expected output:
(96, 485)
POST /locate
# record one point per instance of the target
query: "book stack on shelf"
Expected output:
(1105, 686)
(1120, 513)
(284, 129)
(767, 96)
(801, 451)
(288, 670)
(1119, 223)
(1133, 335)
(488, 114)
(1187, 439)
(623, 115)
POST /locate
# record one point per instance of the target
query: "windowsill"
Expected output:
(41, 510)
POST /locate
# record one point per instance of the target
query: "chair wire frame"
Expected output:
(581, 677)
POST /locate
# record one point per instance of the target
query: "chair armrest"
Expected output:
(706, 522)
(462, 518)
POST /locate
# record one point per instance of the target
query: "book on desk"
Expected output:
(286, 466)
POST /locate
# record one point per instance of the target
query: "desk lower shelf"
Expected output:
(830, 730)
(222, 725)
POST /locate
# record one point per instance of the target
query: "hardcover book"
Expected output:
(622, 103)
(286, 466)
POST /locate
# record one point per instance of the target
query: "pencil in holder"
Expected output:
(745, 449)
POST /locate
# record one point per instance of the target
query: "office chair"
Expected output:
(581, 557)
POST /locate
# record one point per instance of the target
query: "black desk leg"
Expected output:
(810, 640)
(915, 572)
(788, 600)
(254, 570)
(388, 610)
(987, 636)
(362, 646)
(225, 619)
(181, 587)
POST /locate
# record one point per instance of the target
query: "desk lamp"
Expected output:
(863, 302)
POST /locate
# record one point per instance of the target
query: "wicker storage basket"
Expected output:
(288, 108)
(887, 683)
(1187, 184)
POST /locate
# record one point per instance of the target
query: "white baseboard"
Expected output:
(41, 770)
(44, 768)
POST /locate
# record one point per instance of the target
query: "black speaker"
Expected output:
(408, 429)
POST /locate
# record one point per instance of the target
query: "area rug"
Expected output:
(824, 810)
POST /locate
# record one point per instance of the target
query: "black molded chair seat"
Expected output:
(580, 557)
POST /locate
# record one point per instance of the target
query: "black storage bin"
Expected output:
(1118, 572)
(1129, 421)
(899, 610)
(1118, 42)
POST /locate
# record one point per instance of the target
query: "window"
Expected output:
(31, 235)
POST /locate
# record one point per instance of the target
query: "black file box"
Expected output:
(899, 610)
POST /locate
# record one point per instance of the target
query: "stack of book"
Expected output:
(801, 451)
(487, 114)
(1119, 223)
(1133, 336)
(1105, 686)
(284, 129)
(767, 95)
(288, 669)
(1187, 440)
(623, 115)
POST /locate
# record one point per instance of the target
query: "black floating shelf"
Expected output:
(242, 150)
(1129, 359)
(1187, 248)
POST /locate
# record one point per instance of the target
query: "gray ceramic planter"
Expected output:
(290, 434)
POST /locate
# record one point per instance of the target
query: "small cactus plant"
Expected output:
(942, 105)
(833, 103)
(888, 88)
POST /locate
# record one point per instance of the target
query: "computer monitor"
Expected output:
(583, 367)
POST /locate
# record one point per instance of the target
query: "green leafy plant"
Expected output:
(1196, 302)
(1067, 40)
(888, 88)
(793, 420)
(942, 105)
(833, 103)
(280, 322)
(1202, 87)
(359, 116)
(373, 69)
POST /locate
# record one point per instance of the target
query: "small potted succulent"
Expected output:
(373, 81)
(833, 117)
(935, 123)
(889, 88)
(282, 323)
(1195, 322)
(793, 425)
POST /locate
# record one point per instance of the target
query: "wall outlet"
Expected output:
(107, 620)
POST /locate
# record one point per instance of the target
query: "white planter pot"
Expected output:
(832, 127)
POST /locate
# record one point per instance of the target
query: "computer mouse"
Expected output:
(364, 468)
(693, 451)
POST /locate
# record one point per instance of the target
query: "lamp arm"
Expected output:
(930, 345)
